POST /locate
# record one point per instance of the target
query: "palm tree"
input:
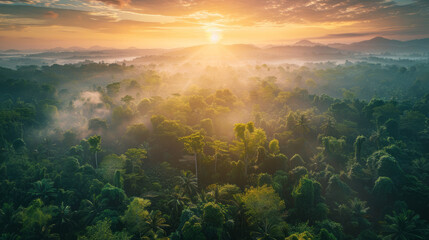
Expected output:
(358, 207)
(405, 225)
(9, 236)
(64, 220)
(328, 127)
(90, 210)
(194, 144)
(44, 189)
(188, 182)
(155, 225)
(302, 125)
(354, 215)
(177, 202)
(239, 211)
(266, 231)
(203, 197)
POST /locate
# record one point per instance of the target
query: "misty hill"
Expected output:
(303, 50)
(306, 43)
(90, 54)
(245, 52)
(381, 44)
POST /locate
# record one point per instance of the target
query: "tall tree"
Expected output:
(358, 147)
(194, 144)
(95, 146)
(219, 147)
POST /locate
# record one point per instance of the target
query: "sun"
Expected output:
(214, 35)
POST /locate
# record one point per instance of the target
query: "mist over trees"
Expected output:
(197, 151)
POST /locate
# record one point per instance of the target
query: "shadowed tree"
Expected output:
(188, 183)
(177, 203)
(127, 99)
(64, 221)
(219, 148)
(267, 231)
(358, 147)
(213, 221)
(302, 125)
(155, 225)
(95, 146)
(405, 225)
(44, 189)
(240, 133)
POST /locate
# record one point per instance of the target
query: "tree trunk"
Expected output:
(196, 167)
(245, 159)
(215, 163)
(96, 160)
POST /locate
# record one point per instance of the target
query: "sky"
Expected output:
(44, 24)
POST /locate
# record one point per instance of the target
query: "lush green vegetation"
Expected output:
(98, 151)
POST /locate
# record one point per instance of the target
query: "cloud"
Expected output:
(187, 19)
(280, 11)
(347, 35)
(51, 14)
(120, 3)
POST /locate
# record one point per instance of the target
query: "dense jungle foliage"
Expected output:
(322, 151)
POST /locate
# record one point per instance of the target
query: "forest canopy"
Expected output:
(193, 151)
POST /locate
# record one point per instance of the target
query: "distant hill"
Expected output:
(381, 44)
(306, 43)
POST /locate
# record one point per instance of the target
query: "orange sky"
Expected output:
(29, 24)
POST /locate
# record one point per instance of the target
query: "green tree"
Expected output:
(155, 224)
(404, 225)
(136, 156)
(95, 146)
(193, 230)
(113, 89)
(267, 231)
(135, 216)
(263, 204)
(44, 189)
(251, 139)
(300, 236)
(308, 201)
(36, 221)
(219, 148)
(102, 231)
(188, 183)
(358, 147)
(127, 99)
(213, 220)
(274, 146)
(194, 144)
